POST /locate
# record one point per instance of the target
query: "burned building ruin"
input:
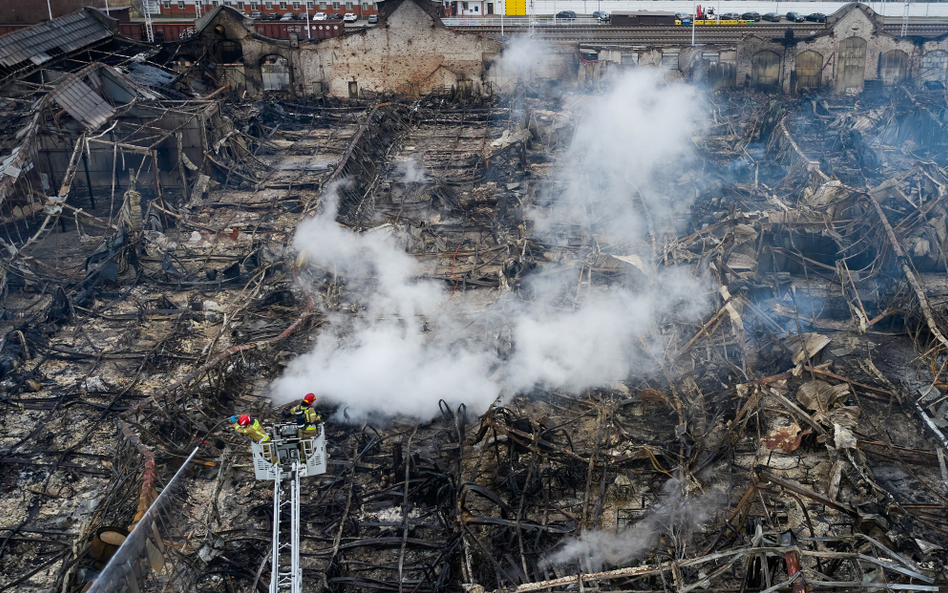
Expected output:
(572, 324)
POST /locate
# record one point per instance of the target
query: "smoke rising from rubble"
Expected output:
(630, 150)
(382, 362)
(522, 58)
(675, 517)
(406, 349)
(411, 171)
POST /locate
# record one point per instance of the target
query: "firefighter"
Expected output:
(250, 428)
(306, 417)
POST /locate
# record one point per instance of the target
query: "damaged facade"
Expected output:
(853, 53)
(411, 53)
(756, 403)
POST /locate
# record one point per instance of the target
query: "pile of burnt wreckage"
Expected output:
(791, 436)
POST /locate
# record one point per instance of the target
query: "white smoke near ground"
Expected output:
(407, 348)
(382, 363)
(411, 171)
(523, 59)
(630, 150)
(675, 517)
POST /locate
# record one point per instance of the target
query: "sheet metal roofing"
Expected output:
(82, 103)
(46, 41)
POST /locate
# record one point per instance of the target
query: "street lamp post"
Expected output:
(693, 19)
(50, 9)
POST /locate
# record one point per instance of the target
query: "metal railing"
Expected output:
(151, 557)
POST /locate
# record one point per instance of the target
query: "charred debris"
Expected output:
(792, 439)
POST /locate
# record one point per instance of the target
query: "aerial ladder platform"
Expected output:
(286, 458)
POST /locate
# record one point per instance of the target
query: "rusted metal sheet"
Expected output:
(174, 31)
(809, 70)
(787, 438)
(131, 30)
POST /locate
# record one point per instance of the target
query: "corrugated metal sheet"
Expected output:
(45, 41)
(149, 75)
(82, 103)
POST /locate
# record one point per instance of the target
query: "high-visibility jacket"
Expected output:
(254, 432)
(306, 417)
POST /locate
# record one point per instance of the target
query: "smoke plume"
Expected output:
(676, 517)
(411, 345)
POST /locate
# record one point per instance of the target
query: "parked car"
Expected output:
(566, 15)
(335, 17)
(373, 19)
(750, 16)
(319, 16)
(602, 16)
(288, 17)
(273, 16)
(301, 16)
(350, 17)
(795, 17)
(816, 17)
(773, 17)
(730, 16)
(257, 16)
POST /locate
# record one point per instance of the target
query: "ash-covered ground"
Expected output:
(637, 333)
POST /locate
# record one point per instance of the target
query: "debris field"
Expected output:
(786, 435)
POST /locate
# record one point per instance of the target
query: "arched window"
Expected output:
(809, 70)
(852, 61)
(765, 70)
(228, 52)
(276, 72)
(934, 67)
(893, 67)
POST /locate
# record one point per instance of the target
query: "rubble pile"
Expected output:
(790, 436)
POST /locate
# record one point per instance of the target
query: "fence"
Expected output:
(151, 559)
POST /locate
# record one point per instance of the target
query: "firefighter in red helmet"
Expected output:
(250, 428)
(306, 417)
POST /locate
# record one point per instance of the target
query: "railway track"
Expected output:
(643, 34)
(677, 34)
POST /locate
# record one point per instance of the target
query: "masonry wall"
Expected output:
(856, 21)
(242, 71)
(409, 55)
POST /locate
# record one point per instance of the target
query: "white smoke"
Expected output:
(676, 517)
(382, 362)
(627, 158)
(409, 347)
(411, 171)
(524, 59)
